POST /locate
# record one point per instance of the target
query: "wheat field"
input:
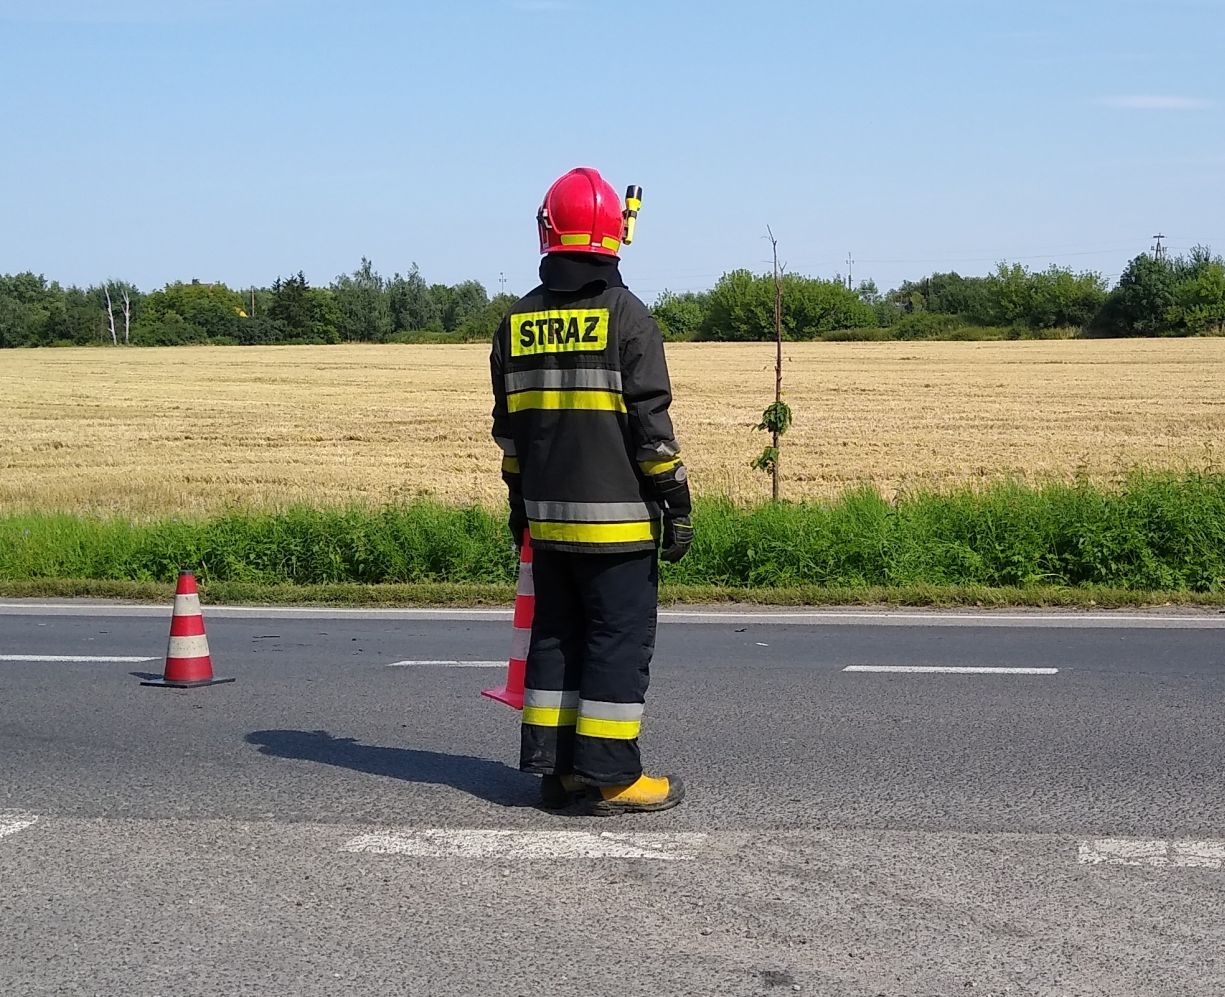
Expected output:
(194, 430)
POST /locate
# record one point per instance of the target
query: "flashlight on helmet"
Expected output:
(633, 201)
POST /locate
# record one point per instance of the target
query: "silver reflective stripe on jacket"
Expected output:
(588, 378)
(591, 512)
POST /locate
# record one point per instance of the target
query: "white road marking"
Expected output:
(11, 823)
(90, 658)
(949, 670)
(448, 664)
(915, 618)
(1158, 854)
(527, 845)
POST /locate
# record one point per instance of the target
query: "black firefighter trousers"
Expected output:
(588, 664)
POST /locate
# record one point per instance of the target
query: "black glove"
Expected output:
(518, 519)
(678, 536)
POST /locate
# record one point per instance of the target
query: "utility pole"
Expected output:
(850, 265)
(502, 281)
(1159, 249)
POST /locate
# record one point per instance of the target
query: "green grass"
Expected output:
(1160, 535)
(428, 594)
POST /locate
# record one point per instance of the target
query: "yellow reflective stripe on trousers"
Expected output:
(653, 467)
(550, 716)
(600, 401)
(613, 730)
(595, 533)
(510, 465)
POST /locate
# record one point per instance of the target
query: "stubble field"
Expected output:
(194, 431)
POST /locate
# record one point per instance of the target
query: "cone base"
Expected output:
(503, 695)
(162, 683)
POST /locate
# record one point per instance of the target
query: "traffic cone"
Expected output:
(188, 663)
(525, 608)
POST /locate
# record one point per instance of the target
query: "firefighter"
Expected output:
(593, 469)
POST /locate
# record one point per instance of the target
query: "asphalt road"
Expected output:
(342, 820)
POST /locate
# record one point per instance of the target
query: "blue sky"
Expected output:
(237, 140)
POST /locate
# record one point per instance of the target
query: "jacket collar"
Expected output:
(568, 273)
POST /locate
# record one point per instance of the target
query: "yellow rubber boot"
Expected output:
(647, 795)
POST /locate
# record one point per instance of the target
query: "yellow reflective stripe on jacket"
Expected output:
(510, 465)
(550, 716)
(613, 730)
(596, 533)
(599, 401)
(654, 467)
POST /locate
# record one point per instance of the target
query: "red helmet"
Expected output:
(581, 213)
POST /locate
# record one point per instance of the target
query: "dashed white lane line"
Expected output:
(1158, 854)
(528, 845)
(101, 659)
(949, 670)
(11, 823)
(447, 664)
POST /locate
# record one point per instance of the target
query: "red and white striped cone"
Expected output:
(525, 608)
(188, 663)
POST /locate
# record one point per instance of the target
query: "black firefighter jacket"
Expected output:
(581, 396)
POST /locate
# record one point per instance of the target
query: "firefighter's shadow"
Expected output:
(487, 780)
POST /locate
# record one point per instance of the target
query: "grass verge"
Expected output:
(1158, 537)
(502, 596)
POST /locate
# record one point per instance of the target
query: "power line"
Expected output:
(995, 257)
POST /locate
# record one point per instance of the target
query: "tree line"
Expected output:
(362, 306)
(1155, 296)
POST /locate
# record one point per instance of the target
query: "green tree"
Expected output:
(741, 308)
(1199, 293)
(811, 307)
(307, 314)
(1059, 298)
(868, 292)
(680, 316)
(1050, 299)
(482, 326)
(25, 306)
(413, 306)
(189, 313)
(464, 301)
(262, 331)
(738, 309)
(363, 305)
(945, 294)
(1141, 303)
